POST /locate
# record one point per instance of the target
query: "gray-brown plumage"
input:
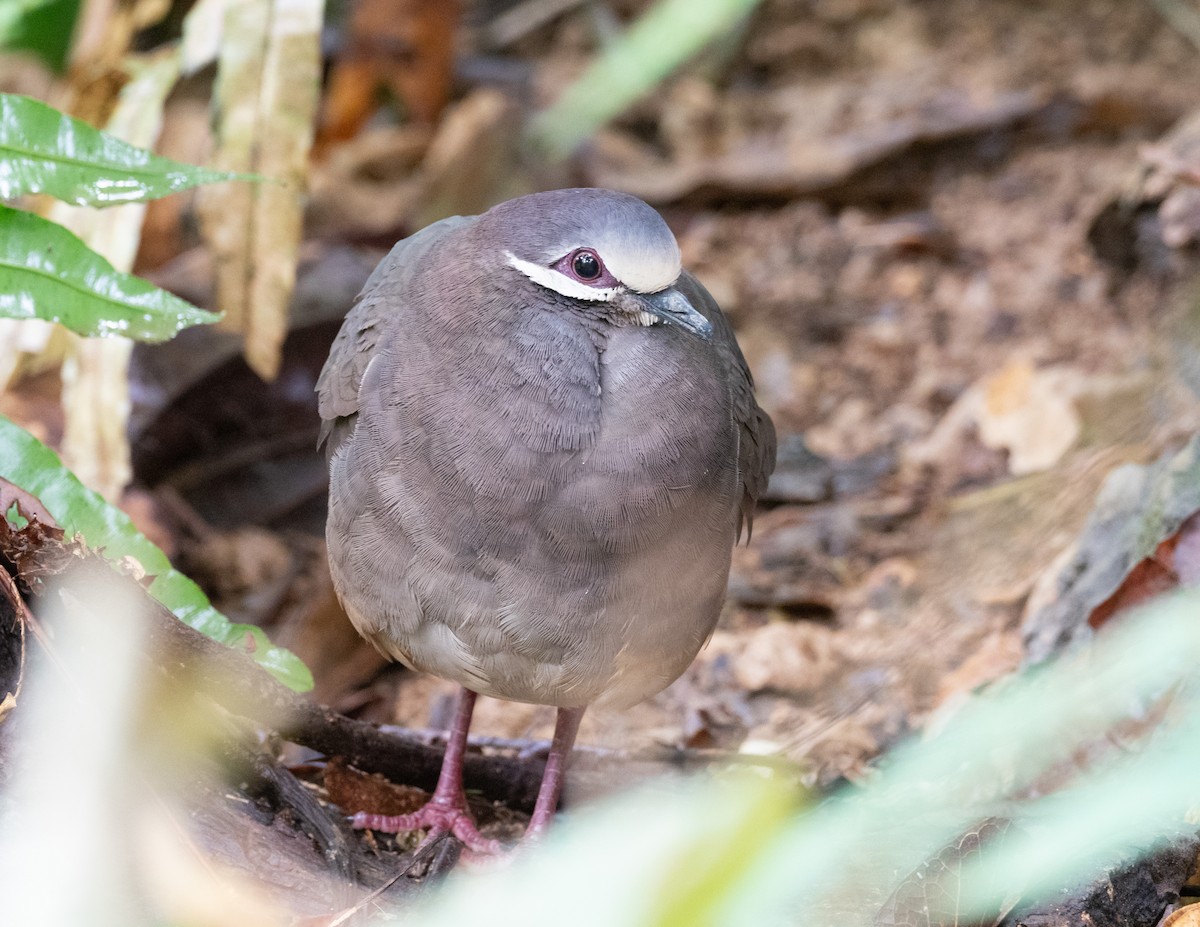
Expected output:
(543, 442)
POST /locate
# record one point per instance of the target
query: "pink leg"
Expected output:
(446, 811)
(566, 726)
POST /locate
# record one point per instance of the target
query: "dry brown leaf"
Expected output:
(266, 95)
(389, 181)
(368, 186)
(1173, 563)
(353, 790)
(824, 143)
(1029, 413)
(930, 895)
(998, 656)
(1141, 538)
(793, 657)
(404, 45)
(1187, 916)
(103, 37)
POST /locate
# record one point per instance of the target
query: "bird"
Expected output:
(543, 443)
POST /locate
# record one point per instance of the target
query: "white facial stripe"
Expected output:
(560, 283)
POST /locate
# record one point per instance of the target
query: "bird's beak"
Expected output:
(673, 307)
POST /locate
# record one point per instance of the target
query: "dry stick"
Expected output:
(663, 755)
(379, 892)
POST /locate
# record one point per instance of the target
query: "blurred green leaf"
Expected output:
(44, 27)
(663, 856)
(14, 517)
(46, 272)
(29, 464)
(45, 151)
(666, 36)
(730, 853)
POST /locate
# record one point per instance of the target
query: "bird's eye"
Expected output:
(587, 265)
(583, 265)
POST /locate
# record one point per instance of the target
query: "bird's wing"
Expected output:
(377, 307)
(756, 431)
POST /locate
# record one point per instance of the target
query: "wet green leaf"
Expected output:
(29, 464)
(48, 273)
(45, 151)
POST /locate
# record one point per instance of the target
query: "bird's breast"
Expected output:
(575, 440)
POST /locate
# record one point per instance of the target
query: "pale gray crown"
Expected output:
(631, 238)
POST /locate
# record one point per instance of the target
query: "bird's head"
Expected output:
(600, 248)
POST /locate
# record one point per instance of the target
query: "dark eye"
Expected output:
(587, 265)
(584, 266)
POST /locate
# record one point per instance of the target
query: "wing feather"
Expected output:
(756, 431)
(377, 309)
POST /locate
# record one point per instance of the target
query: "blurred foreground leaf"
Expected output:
(48, 273)
(666, 36)
(666, 856)
(732, 854)
(107, 530)
(44, 27)
(45, 151)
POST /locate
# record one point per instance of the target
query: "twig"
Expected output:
(379, 892)
(668, 756)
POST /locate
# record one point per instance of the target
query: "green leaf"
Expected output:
(44, 27)
(106, 530)
(45, 151)
(46, 272)
(14, 517)
(663, 38)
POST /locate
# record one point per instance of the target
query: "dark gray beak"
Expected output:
(673, 307)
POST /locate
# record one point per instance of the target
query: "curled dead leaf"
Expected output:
(793, 657)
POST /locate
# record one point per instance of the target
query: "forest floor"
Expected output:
(906, 207)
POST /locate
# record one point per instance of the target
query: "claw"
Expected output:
(438, 817)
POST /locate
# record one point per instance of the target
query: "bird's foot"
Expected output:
(438, 818)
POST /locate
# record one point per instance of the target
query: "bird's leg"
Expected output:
(446, 811)
(566, 726)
